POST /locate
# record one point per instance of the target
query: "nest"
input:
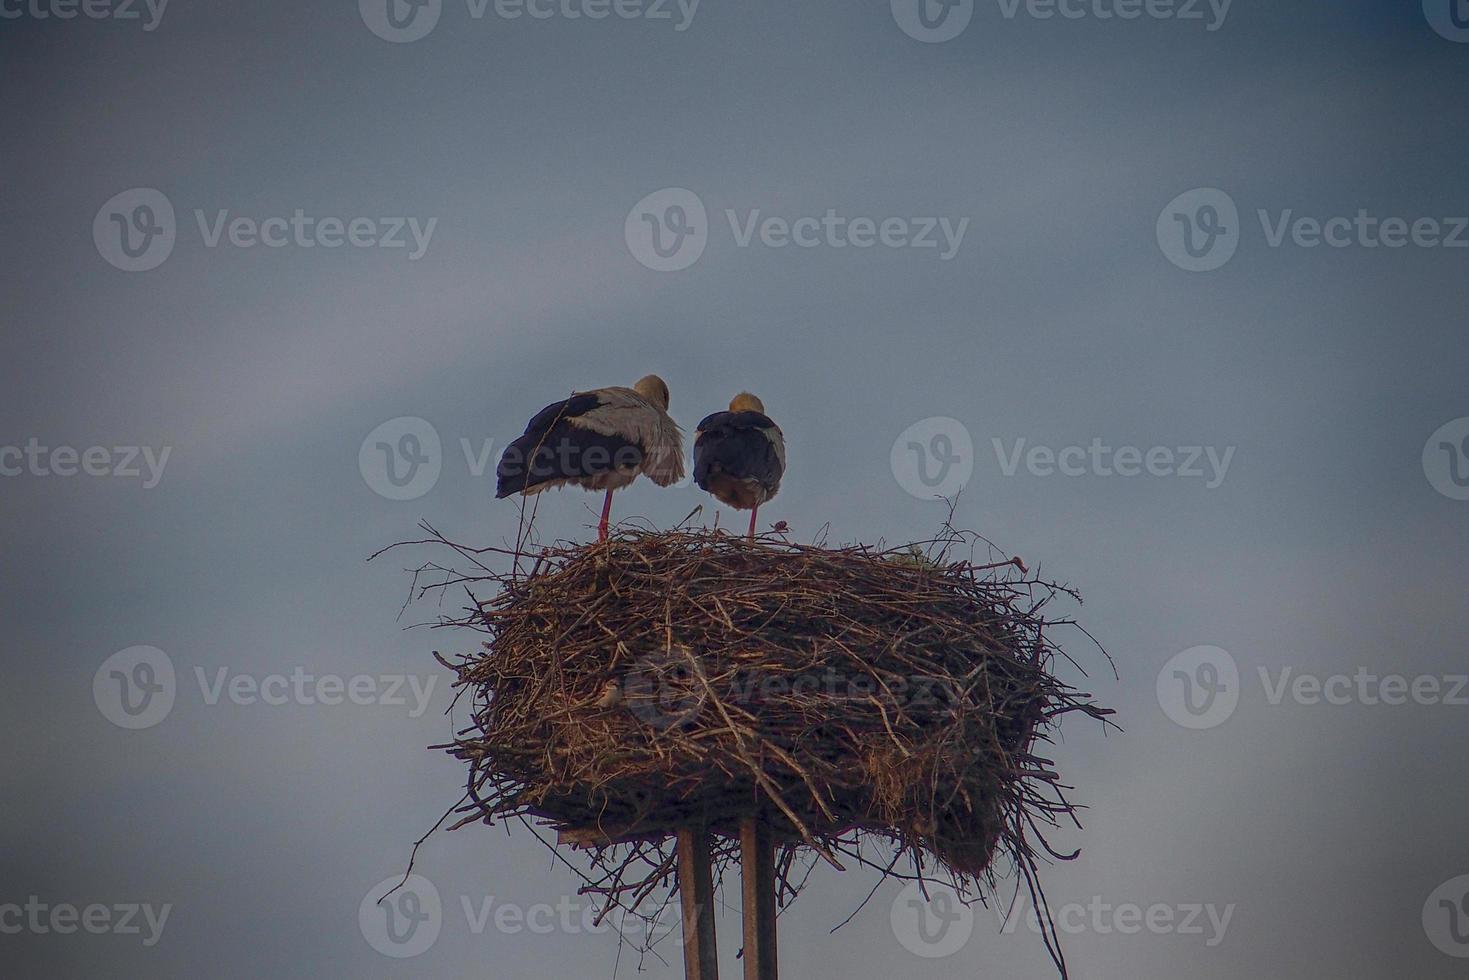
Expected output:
(666, 679)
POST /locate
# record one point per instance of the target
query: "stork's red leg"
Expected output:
(606, 513)
(753, 511)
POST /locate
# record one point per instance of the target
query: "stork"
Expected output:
(740, 455)
(599, 439)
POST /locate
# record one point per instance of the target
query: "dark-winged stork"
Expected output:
(740, 455)
(601, 440)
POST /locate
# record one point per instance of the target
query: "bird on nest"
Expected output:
(599, 439)
(740, 456)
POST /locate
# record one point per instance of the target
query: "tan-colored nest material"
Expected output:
(663, 679)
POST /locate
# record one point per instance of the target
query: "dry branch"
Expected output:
(667, 679)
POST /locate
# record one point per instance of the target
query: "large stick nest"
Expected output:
(662, 679)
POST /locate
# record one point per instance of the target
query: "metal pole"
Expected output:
(696, 891)
(757, 867)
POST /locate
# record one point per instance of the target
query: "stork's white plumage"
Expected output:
(740, 455)
(599, 439)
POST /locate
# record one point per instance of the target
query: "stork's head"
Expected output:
(654, 390)
(746, 402)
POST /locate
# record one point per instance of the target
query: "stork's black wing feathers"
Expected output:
(553, 449)
(736, 420)
(735, 443)
(579, 404)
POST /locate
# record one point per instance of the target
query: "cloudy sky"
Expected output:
(1175, 290)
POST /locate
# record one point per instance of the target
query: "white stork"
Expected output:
(601, 440)
(740, 456)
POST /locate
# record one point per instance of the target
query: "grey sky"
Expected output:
(1060, 320)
